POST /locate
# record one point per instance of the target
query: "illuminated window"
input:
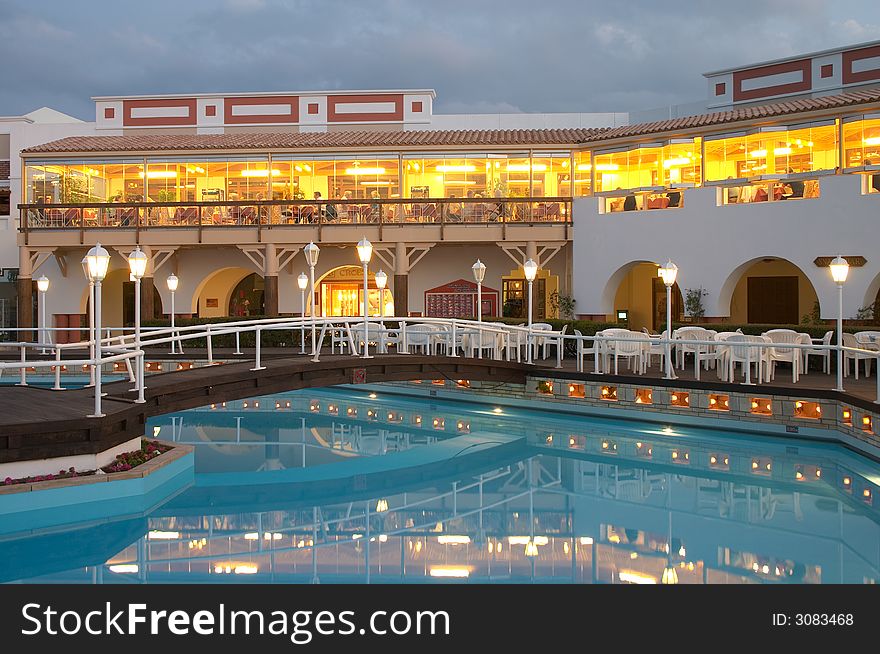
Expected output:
(861, 141)
(680, 399)
(719, 461)
(761, 406)
(846, 416)
(608, 393)
(644, 396)
(576, 390)
(719, 402)
(804, 409)
(545, 387)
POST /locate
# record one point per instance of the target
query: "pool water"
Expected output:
(370, 486)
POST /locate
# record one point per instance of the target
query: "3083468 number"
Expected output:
(823, 619)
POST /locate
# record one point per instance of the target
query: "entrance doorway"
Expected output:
(515, 294)
(658, 295)
(773, 300)
(341, 294)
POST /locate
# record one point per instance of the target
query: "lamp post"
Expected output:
(381, 281)
(172, 282)
(137, 266)
(479, 269)
(312, 251)
(668, 273)
(302, 281)
(42, 287)
(530, 268)
(839, 271)
(97, 262)
(91, 339)
(365, 253)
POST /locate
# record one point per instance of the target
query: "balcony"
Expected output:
(441, 219)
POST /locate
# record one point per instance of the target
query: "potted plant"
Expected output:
(693, 303)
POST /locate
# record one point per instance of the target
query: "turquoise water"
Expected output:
(338, 485)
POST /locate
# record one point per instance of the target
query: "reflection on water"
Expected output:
(577, 501)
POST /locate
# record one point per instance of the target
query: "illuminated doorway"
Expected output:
(341, 294)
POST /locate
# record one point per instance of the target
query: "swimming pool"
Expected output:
(369, 486)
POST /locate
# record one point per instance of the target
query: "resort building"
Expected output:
(751, 197)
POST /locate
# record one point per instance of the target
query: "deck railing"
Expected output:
(278, 213)
(444, 337)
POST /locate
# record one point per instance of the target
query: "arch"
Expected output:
(872, 295)
(229, 277)
(636, 288)
(770, 266)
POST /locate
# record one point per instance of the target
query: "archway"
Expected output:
(768, 290)
(213, 296)
(248, 297)
(636, 289)
(340, 293)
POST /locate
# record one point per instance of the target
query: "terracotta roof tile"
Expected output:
(843, 100)
(288, 140)
(441, 138)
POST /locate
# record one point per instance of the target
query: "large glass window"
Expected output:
(772, 151)
(73, 182)
(861, 141)
(582, 174)
(629, 169)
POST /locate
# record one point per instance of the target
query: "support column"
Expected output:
(25, 294)
(401, 280)
(532, 252)
(147, 287)
(270, 279)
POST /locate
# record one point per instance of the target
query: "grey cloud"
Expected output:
(563, 55)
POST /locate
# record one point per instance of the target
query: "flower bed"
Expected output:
(124, 462)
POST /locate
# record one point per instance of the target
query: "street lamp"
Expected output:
(381, 281)
(312, 251)
(668, 273)
(97, 261)
(172, 282)
(137, 266)
(365, 253)
(42, 287)
(530, 268)
(839, 271)
(302, 281)
(479, 269)
(85, 267)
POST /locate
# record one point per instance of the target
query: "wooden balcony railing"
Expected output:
(268, 214)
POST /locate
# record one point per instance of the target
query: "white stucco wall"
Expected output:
(713, 245)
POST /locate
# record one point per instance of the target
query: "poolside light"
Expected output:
(668, 273)
(530, 269)
(172, 282)
(311, 252)
(302, 281)
(42, 287)
(137, 266)
(531, 548)
(381, 281)
(97, 261)
(365, 253)
(839, 271)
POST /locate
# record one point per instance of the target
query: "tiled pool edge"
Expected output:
(782, 420)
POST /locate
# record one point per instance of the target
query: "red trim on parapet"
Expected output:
(291, 117)
(129, 121)
(803, 66)
(367, 117)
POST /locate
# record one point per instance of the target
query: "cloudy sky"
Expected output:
(479, 55)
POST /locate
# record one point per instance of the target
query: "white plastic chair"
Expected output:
(739, 351)
(655, 348)
(823, 353)
(787, 354)
(581, 350)
(849, 340)
(683, 349)
(627, 347)
(420, 338)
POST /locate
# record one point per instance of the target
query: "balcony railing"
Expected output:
(283, 213)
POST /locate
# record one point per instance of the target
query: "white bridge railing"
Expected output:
(442, 337)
